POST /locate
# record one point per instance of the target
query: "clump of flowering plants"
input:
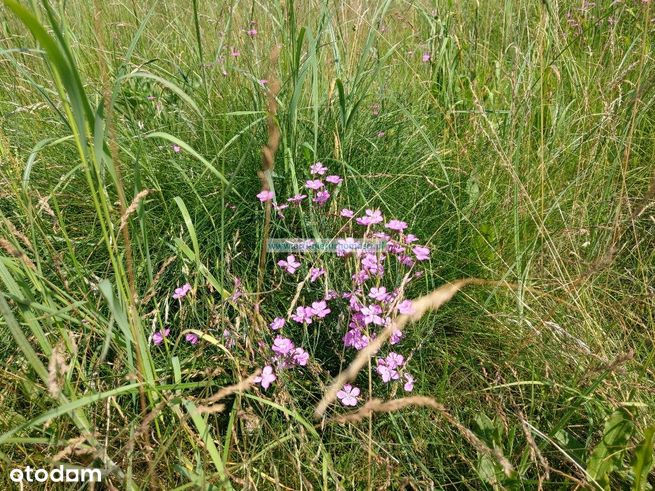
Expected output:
(326, 298)
(340, 291)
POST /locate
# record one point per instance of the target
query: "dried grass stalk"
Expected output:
(535, 453)
(18, 234)
(144, 426)
(44, 206)
(378, 406)
(133, 207)
(151, 291)
(57, 369)
(209, 405)
(17, 253)
(75, 447)
(114, 153)
(268, 160)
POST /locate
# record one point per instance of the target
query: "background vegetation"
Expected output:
(521, 150)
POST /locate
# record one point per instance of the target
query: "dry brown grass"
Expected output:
(133, 207)
(18, 234)
(75, 446)
(57, 370)
(209, 405)
(9, 248)
(268, 160)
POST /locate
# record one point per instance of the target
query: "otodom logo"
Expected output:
(58, 474)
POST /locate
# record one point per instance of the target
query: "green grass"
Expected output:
(523, 151)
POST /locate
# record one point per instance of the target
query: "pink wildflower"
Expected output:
(331, 295)
(372, 315)
(405, 307)
(182, 291)
(314, 184)
(321, 197)
(421, 253)
(394, 360)
(409, 382)
(177, 148)
(426, 57)
(395, 248)
(379, 294)
(290, 265)
(282, 345)
(318, 168)
(191, 338)
(300, 357)
(348, 395)
(345, 246)
(315, 274)
(297, 198)
(347, 213)
(372, 217)
(396, 336)
(158, 337)
(397, 225)
(387, 373)
(320, 309)
(354, 303)
(237, 290)
(361, 277)
(354, 338)
(334, 179)
(266, 378)
(277, 323)
(265, 195)
(303, 315)
(406, 260)
(372, 264)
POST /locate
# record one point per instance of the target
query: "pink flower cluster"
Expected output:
(316, 186)
(372, 282)
(375, 297)
(318, 310)
(285, 353)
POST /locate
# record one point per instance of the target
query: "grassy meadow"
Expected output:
(516, 139)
